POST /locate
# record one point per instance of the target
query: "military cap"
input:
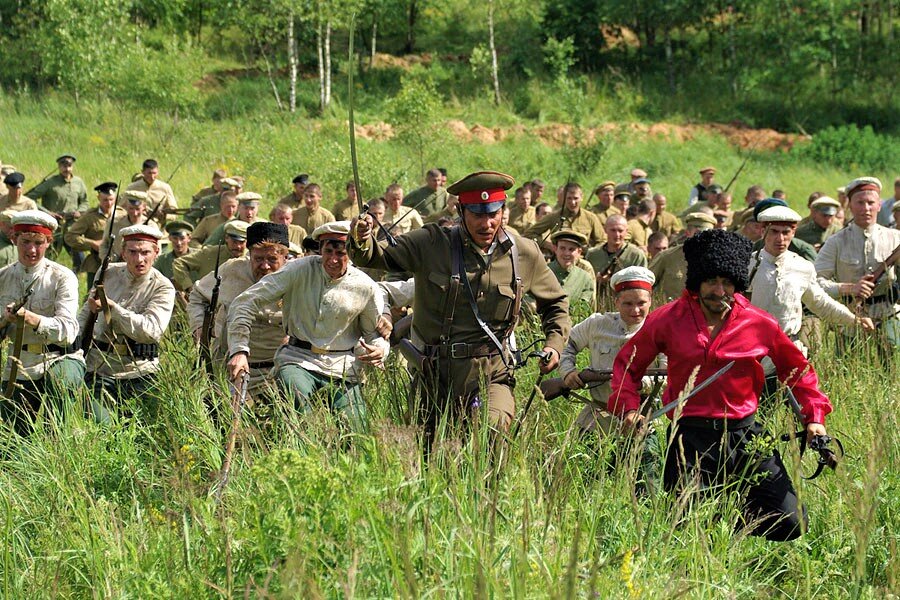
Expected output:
(179, 228)
(14, 180)
(707, 170)
(638, 173)
(249, 198)
(699, 220)
(302, 178)
(65, 157)
(717, 253)
(571, 235)
(632, 278)
(640, 180)
(135, 197)
(236, 229)
(841, 190)
(766, 204)
(107, 187)
(7, 169)
(825, 205)
(294, 250)
(605, 185)
(336, 230)
(715, 187)
(35, 221)
(141, 233)
(231, 183)
(483, 191)
(264, 231)
(778, 214)
(863, 184)
(7, 215)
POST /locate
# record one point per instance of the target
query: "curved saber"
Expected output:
(697, 389)
(353, 159)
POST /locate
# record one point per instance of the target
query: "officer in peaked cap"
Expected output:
(13, 199)
(470, 280)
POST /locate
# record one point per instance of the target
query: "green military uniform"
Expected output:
(575, 282)
(60, 196)
(442, 309)
(522, 219)
(453, 215)
(91, 226)
(291, 200)
(205, 228)
(203, 193)
(202, 208)
(24, 203)
(667, 223)
(191, 267)
(670, 269)
(605, 213)
(165, 262)
(345, 210)
(296, 234)
(8, 255)
(638, 232)
(426, 200)
(311, 220)
(814, 235)
(585, 223)
(601, 258)
(218, 234)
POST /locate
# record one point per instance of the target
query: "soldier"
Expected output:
(211, 205)
(670, 266)
(848, 258)
(123, 357)
(50, 368)
(267, 245)
(782, 282)
(640, 189)
(312, 214)
(614, 255)
(347, 208)
(400, 218)
(13, 198)
(537, 187)
(575, 282)
(656, 243)
(798, 247)
(86, 234)
(9, 253)
(571, 216)
(638, 228)
(541, 210)
(449, 212)
(228, 206)
(191, 267)
(248, 211)
(621, 200)
(707, 175)
(135, 209)
(63, 195)
(663, 220)
(159, 193)
(330, 312)
(605, 193)
(430, 198)
(470, 280)
(521, 213)
(180, 242)
(821, 225)
(214, 189)
(605, 334)
(295, 198)
(283, 214)
(755, 193)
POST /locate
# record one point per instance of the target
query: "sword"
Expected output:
(682, 399)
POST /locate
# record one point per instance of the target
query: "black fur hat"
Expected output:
(263, 231)
(717, 253)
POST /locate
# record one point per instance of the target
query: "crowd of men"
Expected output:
(305, 303)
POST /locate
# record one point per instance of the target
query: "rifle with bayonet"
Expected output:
(876, 275)
(554, 388)
(87, 333)
(209, 317)
(19, 341)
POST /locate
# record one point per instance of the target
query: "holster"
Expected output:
(419, 362)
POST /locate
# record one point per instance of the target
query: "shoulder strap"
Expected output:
(453, 292)
(518, 288)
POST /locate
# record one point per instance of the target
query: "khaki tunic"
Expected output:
(426, 200)
(91, 226)
(345, 210)
(666, 222)
(811, 233)
(296, 234)
(291, 200)
(165, 262)
(218, 235)
(159, 192)
(453, 215)
(54, 297)
(204, 207)
(576, 283)
(606, 213)
(407, 220)
(118, 225)
(600, 258)
(139, 310)
(60, 196)
(670, 268)
(24, 203)
(309, 221)
(203, 193)
(8, 255)
(521, 219)
(427, 253)
(638, 232)
(205, 228)
(188, 269)
(585, 222)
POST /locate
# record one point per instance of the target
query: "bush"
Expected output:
(850, 147)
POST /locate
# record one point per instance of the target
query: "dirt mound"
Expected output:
(389, 61)
(375, 131)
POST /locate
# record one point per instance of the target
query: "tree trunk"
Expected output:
(328, 62)
(412, 15)
(271, 79)
(374, 37)
(320, 58)
(670, 60)
(292, 61)
(494, 69)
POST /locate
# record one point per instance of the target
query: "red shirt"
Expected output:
(679, 331)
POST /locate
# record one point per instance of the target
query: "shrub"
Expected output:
(850, 147)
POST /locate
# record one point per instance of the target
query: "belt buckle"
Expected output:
(464, 350)
(718, 424)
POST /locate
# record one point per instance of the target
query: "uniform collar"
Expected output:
(867, 231)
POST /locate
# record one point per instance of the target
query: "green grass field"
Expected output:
(131, 509)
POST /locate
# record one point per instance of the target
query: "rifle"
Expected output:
(209, 316)
(877, 274)
(554, 388)
(238, 399)
(45, 178)
(153, 212)
(18, 342)
(87, 333)
(743, 164)
(608, 271)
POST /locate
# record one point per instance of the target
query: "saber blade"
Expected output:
(697, 389)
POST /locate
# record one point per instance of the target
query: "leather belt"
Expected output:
(463, 350)
(716, 424)
(132, 349)
(298, 343)
(263, 364)
(42, 348)
(878, 299)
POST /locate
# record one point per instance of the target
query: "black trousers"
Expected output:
(717, 459)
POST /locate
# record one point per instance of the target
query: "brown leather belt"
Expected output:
(463, 350)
